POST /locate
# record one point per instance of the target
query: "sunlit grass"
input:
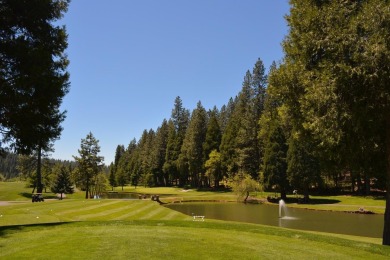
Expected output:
(159, 239)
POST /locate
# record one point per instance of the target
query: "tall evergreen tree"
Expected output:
(158, 153)
(179, 118)
(246, 140)
(213, 136)
(272, 137)
(111, 177)
(62, 183)
(337, 54)
(33, 75)
(192, 149)
(171, 155)
(89, 162)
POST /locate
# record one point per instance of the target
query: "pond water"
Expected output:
(368, 225)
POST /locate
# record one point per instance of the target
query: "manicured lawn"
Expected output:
(162, 239)
(53, 211)
(76, 228)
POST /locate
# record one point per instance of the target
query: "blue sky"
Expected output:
(129, 60)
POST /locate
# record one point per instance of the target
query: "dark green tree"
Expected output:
(272, 138)
(89, 162)
(171, 154)
(337, 54)
(62, 183)
(112, 177)
(192, 155)
(213, 136)
(158, 153)
(274, 161)
(33, 77)
(176, 133)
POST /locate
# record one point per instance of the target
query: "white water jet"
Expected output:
(282, 207)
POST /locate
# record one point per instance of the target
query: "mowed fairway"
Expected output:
(143, 229)
(52, 211)
(170, 239)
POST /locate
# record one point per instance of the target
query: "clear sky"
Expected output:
(130, 59)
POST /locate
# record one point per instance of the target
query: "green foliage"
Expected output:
(213, 135)
(88, 163)
(112, 177)
(243, 184)
(62, 184)
(191, 155)
(213, 167)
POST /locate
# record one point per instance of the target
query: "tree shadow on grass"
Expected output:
(9, 230)
(45, 195)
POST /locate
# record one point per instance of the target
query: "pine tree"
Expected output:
(336, 73)
(158, 153)
(112, 177)
(33, 75)
(191, 157)
(213, 136)
(89, 162)
(62, 183)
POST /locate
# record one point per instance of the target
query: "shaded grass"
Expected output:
(158, 239)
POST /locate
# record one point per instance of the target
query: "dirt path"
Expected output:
(6, 203)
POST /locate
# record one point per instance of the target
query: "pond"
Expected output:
(368, 225)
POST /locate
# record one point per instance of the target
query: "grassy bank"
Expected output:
(163, 239)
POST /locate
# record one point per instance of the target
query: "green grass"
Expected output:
(53, 211)
(75, 228)
(162, 239)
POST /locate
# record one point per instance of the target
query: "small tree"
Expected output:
(89, 162)
(243, 184)
(62, 183)
(112, 177)
(214, 167)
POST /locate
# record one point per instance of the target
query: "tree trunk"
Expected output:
(386, 229)
(247, 195)
(39, 173)
(86, 190)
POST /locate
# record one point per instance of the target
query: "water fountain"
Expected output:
(282, 207)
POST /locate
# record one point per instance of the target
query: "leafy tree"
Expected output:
(213, 167)
(62, 183)
(89, 162)
(33, 75)
(243, 184)
(99, 184)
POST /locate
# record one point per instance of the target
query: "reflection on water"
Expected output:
(325, 221)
